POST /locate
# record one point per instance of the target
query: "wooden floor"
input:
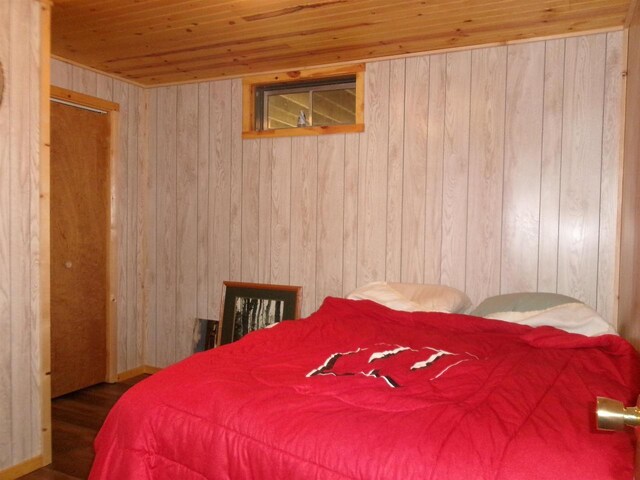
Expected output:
(76, 419)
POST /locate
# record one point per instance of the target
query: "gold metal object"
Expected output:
(613, 415)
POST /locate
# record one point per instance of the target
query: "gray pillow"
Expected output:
(521, 302)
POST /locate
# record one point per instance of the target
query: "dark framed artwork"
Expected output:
(250, 306)
(205, 334)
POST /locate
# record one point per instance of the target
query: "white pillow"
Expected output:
(570, 317)
(413, 297)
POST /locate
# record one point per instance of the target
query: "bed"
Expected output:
(360, 391)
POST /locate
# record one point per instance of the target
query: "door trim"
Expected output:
(111, 109)
(44, 209)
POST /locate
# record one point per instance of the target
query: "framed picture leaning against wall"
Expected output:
(250, 306)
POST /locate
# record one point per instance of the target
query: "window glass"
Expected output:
(307, 104)
(334, 107)
(283, 109)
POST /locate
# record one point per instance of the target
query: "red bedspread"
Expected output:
(360, 391)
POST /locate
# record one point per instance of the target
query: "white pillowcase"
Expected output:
(570, 317)
(413, 297)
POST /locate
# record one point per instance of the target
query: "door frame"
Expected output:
(112, 110)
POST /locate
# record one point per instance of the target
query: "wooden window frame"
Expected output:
(250, 84)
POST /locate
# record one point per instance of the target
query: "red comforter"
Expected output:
(360, 391)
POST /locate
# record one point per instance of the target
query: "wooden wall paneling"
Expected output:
(129, 256)
(456, 169)
(119, 209)
(250, 211)
(581, 163)
(629, 307)
(24, 426)
(61, 74)
(43, 319)
(435, 166)
(17, 97)
(150, 248)
(219, 191)
(204, 290)
(37, 28)
(104, 87)
(304, 197)
(373, 167)
(522, 167)
(141, 227)
(350, 213)
(281, 211)
(552, 110)
(449, 158)
(414, 200)
(486, 168)
(264, 210)
(330, 229)
(612, 138)
(235, 212)
(166, 228)
(6, 44)
(84, 81)
(396, 155)
(186, 217)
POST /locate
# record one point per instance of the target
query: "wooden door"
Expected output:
(79, 220)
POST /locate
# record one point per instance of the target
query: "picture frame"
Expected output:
(250, 306)
(205, 334)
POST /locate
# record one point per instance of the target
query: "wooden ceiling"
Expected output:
(154, 42)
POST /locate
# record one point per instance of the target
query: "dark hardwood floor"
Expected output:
(76, 419)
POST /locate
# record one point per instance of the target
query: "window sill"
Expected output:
(300, 131)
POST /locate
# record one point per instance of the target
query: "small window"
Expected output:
(306, 104)
(311, 102)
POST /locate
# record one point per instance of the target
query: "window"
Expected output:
(306, 104)
(310, 102)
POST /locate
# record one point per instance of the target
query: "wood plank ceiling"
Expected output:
(154, 42)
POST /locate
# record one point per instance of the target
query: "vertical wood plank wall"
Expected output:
(20, 400)
(630, 235)
(492, 170)
(131, 166)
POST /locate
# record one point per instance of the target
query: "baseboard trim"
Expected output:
(23, 468)
(141, 370)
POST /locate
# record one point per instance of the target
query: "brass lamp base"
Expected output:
(613, 415)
